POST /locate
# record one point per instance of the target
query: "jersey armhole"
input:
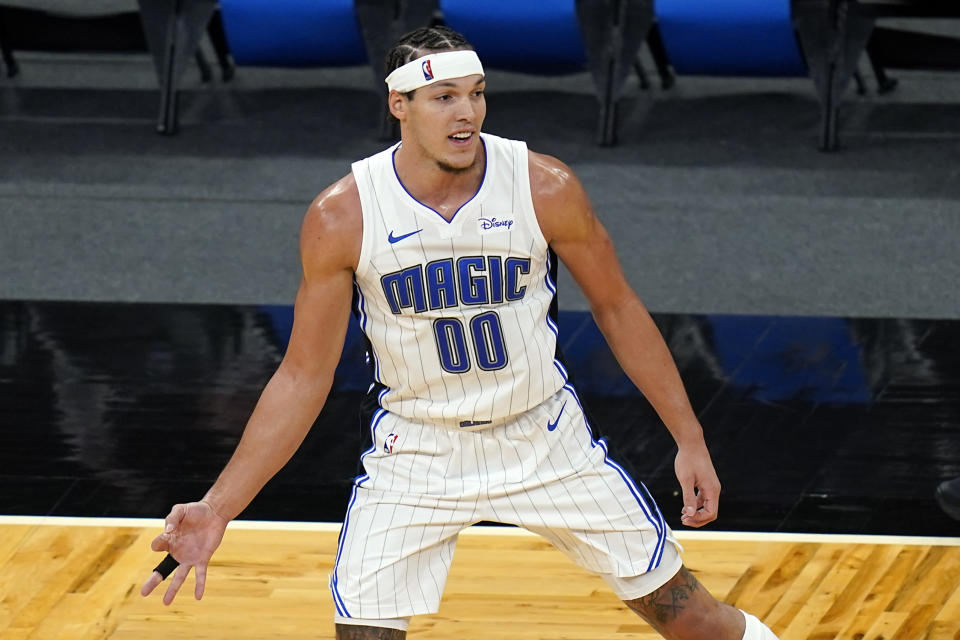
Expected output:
(522, 169)
(361, 174)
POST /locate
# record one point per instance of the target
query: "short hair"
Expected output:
(421, 41)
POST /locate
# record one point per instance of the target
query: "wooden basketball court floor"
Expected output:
(79, 578)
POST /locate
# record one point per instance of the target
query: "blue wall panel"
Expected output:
(533, 37)
(293, 33)
(730, 37)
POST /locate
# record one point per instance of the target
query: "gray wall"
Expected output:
(716, 196)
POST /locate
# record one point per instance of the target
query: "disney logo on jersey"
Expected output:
(492, 224)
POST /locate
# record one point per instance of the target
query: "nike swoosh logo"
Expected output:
(394, 239)
(553, 425)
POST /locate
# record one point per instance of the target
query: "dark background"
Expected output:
(810, 299)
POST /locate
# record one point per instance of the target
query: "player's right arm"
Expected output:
(330, 247)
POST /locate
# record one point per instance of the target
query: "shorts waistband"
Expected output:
(460, 423)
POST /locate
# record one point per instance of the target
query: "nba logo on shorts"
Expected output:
(389, 442)
(427, 71)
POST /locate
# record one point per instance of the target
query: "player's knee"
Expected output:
(693, 623)
(361, 629)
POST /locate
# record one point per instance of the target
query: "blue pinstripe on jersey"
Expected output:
(561, 369)
(551, 323)
(653, 514)
(360, 312)
(358, 482)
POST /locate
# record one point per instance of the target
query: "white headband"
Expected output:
(433, 68)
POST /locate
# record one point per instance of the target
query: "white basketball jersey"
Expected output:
(457, 314)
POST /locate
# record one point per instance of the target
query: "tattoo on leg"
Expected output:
(357, 632)
(666, 603)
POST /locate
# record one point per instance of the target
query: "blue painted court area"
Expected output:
(123, 409)
(769, 358)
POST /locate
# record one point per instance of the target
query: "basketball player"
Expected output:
(445, 247)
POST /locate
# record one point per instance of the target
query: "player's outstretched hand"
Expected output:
(699, 483)
(192, 532)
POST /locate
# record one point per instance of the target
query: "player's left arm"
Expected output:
(580, 240)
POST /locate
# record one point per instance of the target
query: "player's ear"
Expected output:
(397, 103)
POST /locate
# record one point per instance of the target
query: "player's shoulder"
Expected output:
(551, 178)
(333, 224)
(336, 210)
(336, 205)
(554, 186)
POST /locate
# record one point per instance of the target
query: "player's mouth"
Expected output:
(462, 138)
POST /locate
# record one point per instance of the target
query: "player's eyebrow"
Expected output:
(451, 84)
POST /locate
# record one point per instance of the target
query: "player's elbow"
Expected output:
(615, 310)
(307, 385)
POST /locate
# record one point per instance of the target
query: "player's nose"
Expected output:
(467, 111)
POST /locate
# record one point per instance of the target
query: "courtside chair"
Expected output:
(758, 38)
(835, 33)
(318, 33)
(558, 37)
(279, 33)
(822, 39)
(132, 26)
(383, 23)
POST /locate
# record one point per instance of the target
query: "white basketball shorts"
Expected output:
(541, 470)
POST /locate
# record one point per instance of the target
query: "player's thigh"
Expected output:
(393, 555)
(401, 524)
(583, 501)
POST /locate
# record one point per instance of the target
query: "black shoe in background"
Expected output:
(948, 496)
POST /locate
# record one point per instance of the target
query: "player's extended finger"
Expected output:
(152, 582)
(161, 543)
(178, 579)
(200, 575)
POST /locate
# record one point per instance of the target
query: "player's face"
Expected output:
(444, 119)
